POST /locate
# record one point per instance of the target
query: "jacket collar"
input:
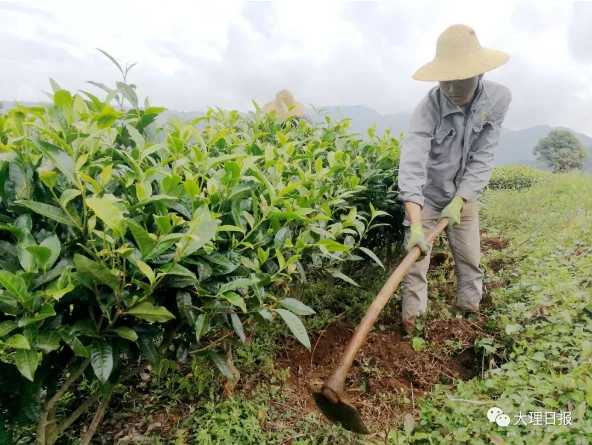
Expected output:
(481, 101)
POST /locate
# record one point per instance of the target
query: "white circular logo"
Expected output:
(502, 420)
(493, 413)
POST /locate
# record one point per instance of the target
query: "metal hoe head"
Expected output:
(342, 413)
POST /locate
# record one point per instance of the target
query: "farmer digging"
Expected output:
(447, 159)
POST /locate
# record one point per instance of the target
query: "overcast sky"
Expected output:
(226, 53)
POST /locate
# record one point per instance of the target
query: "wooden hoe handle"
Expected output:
(333, 386)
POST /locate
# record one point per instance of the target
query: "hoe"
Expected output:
(330, 399)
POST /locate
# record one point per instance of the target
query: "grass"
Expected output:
(544, 317)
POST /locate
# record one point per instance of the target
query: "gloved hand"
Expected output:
(452, 211)
(417, 238)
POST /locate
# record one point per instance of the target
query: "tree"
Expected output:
(561, 151)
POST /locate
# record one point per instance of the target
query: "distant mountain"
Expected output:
(515, 147)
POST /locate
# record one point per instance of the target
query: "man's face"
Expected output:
(460, 92)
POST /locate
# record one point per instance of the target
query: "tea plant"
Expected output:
(514, 177)
(127, 239)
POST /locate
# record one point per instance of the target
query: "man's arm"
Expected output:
(480, 164)
(415, 150)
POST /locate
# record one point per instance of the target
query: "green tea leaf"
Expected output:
(236, 300)
(148, 348)
(59, 158)
(238, 327)
(26, 361)
(26, 258)
(85, 327)
(46, 311)
(10, 306)
(199, 326)
(52, 242)
(106, 175)
(136, 137)
(296, 326)
(184, 303)
(101, 359)
(282, 236)
(129, 93)
(147, 311)
(108, 213)
(49, 178)
(338, 274)
(221, 365)
(164, 224)
(203, 228)
(127, 333)
(146, 270)
(98, 272)
(75, 344)
(41, 254)
(95, 186)
(48, 341)
(57, 294)
(237, 284)
(112, 59)
(14, 285)
(18, 341)
(6, 327)
(332, 245)
(176, 269)
(296, 306)
(372, 255)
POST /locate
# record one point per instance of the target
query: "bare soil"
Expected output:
(388, 372)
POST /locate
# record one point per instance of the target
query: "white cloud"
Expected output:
(196, 54)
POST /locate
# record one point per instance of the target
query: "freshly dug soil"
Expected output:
(387, 369)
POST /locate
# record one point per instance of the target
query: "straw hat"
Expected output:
(459, 55)
(284, 105)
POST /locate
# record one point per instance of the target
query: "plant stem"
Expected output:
(62, 427)
(211, 345)
(76, 414)
(66, 212)
(98, 417)
(43, 416)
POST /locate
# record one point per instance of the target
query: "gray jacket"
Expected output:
(447, 153)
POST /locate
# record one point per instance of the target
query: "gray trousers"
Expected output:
(464, 242)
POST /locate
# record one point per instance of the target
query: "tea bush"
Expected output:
(514, 177)
(127, 238)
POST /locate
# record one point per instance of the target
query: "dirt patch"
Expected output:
(580, 250)
(493, 243)
(438, 261)
(127, 427)
(387, 372)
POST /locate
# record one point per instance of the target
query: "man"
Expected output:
(446, 160)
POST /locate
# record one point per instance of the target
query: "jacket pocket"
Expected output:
(442, 146)
(478, 129)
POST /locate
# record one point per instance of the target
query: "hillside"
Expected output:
(515, 147)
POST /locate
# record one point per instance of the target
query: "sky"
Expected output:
(227, 53)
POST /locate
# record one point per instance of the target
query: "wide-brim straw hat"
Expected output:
(284, 105)
(459, 55)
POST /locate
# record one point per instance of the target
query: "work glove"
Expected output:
(418, 239)
(452, 211)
